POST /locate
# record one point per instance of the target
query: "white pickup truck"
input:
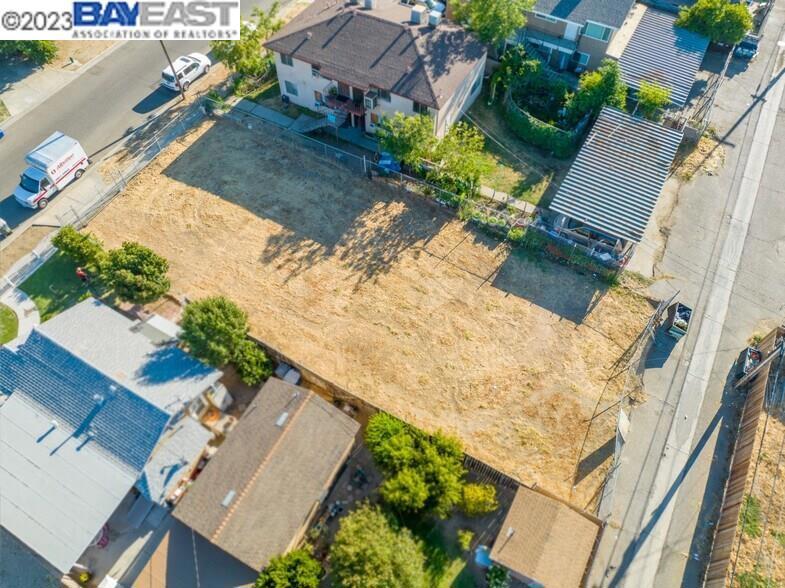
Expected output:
(54, 164)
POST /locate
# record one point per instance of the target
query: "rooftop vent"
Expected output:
(228, 498)
(418, 14)
(282, 419)
(370, 4)
(434, 18)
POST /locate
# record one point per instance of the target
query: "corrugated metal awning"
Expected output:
(615, 180)
(664, 54)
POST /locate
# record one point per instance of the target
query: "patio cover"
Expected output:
(662, 53)
(616, 179)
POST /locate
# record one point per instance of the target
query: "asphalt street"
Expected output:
(99, 108)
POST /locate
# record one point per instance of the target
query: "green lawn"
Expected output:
(9, 324)
(518, 169)
(54, 287)
(445, 563)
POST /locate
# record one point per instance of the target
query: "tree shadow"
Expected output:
(594, 460)
(169, 364)
(549, 285)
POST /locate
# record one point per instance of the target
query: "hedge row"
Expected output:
(538, 133)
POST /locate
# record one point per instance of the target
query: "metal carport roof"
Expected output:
(662, 53)
(615, 180)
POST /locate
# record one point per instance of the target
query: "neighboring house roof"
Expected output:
(177, 452)
(165, 376)
(381, 48)
(73, 438)
(545, 540)
(254, 496)
(21, 567)
(616, 179)
(662, 53)
(607, 12)
(57, 487)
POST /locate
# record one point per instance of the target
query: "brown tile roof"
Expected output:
(381, 48)
(277, 473)
(545, 540)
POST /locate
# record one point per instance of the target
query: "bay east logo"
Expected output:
(197, 13)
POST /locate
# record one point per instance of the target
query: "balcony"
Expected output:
(344, 104)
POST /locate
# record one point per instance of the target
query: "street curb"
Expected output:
(7, 123)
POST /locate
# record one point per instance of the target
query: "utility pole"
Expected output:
(174, 73)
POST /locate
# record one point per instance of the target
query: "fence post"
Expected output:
(365, 169)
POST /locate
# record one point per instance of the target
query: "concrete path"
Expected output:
(25, 309)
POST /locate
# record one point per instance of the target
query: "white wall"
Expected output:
(299, 73)
(461, 101)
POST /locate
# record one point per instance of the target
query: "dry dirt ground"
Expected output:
(392, 298)
(80, 51)
(764, 555)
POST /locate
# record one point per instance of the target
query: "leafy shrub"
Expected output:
(465, 537)
(652, 98)
(535, 132)
(413, 462)
(296, 569)
(596, 89)
(516, 234)
(719, 20)
(252, 363)
(478, 499)
(247, 55)
(214, 329)
(371, 550)
(753, 579)
(137, 273)
(82, 248)
(37, 51)
(497, 577)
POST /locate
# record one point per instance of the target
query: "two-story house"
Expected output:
(361, 61)
(574, 35)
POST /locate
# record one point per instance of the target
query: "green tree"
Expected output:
(214, 329)
(494, 21)
(652, 98)
(478, 499)
(246, 55)
(460, 160)
(409, 139)
(602, 87)
(252, 362)
(497, 577)
(296, 569)
(371, 550)
(82, 248)
(514, 66)
(137, 273)
(407, 490)
(719, 20)
(423, 473)
(37, 51)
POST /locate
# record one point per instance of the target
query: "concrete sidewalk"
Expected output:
(24, 308)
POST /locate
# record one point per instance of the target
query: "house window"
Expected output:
(545, 17)
(287, 60)
(582, 58)
(375, 120)
(290, 88)
(597, 31)
(420, 108)
(315, 71)
(384, 95)
(317, 95)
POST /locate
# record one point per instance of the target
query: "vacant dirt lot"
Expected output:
(392, 298)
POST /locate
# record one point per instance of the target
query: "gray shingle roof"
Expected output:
(616, 179)
(379, 48)
(662, 53)
(270, 476)
(105, 339)
(608, 12)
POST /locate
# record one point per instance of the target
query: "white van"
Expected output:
(53, 165)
